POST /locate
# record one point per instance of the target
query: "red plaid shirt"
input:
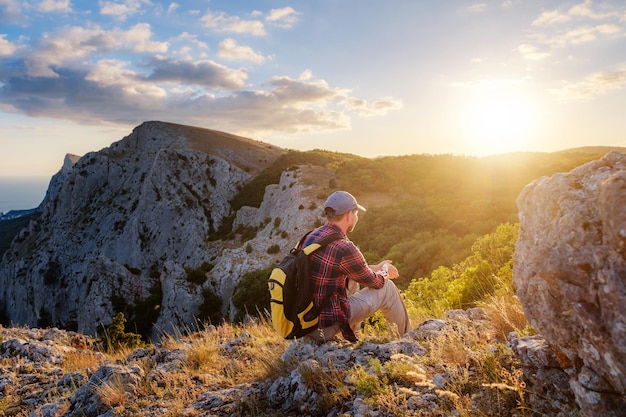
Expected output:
(331, 266)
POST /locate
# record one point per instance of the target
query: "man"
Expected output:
(340, 267)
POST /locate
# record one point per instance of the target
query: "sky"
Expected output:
(366, 77)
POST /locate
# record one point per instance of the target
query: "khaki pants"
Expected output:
(367, 301)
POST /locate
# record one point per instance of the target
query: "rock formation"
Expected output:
(570, 274)
(121, 229)
(39, 375)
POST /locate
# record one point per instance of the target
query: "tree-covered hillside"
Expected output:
(445, 221)
(425, 211)
(10, 228)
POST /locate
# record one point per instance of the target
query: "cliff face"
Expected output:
(121, 228)
(570, 274)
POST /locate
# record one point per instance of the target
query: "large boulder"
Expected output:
(570, 274)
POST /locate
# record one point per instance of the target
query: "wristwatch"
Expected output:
(384, 271)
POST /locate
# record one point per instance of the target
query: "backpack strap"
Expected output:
(312, 248)
(323, 242)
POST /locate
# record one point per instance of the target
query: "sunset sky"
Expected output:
(365, 77)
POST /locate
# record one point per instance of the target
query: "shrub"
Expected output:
(251, 294)
(273, 249)
(196, 275)
(210, 309)
(115, 337)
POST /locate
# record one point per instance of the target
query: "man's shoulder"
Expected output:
(325, 232)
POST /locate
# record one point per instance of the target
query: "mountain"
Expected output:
(123, 229)
(163, 224)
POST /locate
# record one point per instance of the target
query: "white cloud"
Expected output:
(72, 46)
(220, 22)
(551, 18)
(6, 47)
(477, 7)
(13, 11)
(582, 34)
(121, 10)
(285, 17)
(230, 50)
(172, 7)
(584, 10)
(189, 46)
(375, 108)
(112, 72)
(138, 37)
(530, 52)
(582, 27)
(594, 85)
(47, 6)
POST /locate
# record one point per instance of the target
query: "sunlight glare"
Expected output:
(499, 122)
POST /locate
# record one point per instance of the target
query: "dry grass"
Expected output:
(480, 377)
(328, 383)
(255, 357)
(112, 392)
(505, 314)
(81, 360)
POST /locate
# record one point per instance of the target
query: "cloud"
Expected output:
(376, 107)
(550, 18)
(204, 73)
(230, 50)
(71, 46)
(220, 22)
(121, 10)
(11, 12)
(172, 7)
(578, 25)
(477, 7)
(48, 6)
(285, 17)
(582, 34)
(594, 85)
(194, 93)
(532, 53)
(6, 47)
(584, 10)
(188, 41)
(138, 38)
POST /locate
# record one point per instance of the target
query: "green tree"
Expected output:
(251, 295)
(115, 336)
(487, 271)
(211, 308)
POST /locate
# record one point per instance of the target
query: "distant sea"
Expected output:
(18, 193)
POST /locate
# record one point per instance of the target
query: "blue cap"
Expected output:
(342, 202)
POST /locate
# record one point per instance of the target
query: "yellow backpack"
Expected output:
(294, 313)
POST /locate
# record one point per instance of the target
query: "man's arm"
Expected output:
(353, 265)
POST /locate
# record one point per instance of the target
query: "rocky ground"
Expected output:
(456, 366)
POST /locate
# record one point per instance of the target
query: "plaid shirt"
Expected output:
(331, 267)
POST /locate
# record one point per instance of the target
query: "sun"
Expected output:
(498, 122)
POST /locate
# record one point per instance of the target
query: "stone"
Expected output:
(120, 227)
(570, 275)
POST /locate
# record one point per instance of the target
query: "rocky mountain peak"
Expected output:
(121, 229)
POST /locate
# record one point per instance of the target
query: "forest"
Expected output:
(449, 223)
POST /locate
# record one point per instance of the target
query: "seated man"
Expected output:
(340, 267)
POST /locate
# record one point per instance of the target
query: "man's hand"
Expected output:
(392, 271)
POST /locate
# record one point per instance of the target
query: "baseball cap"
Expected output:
(342, 202)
